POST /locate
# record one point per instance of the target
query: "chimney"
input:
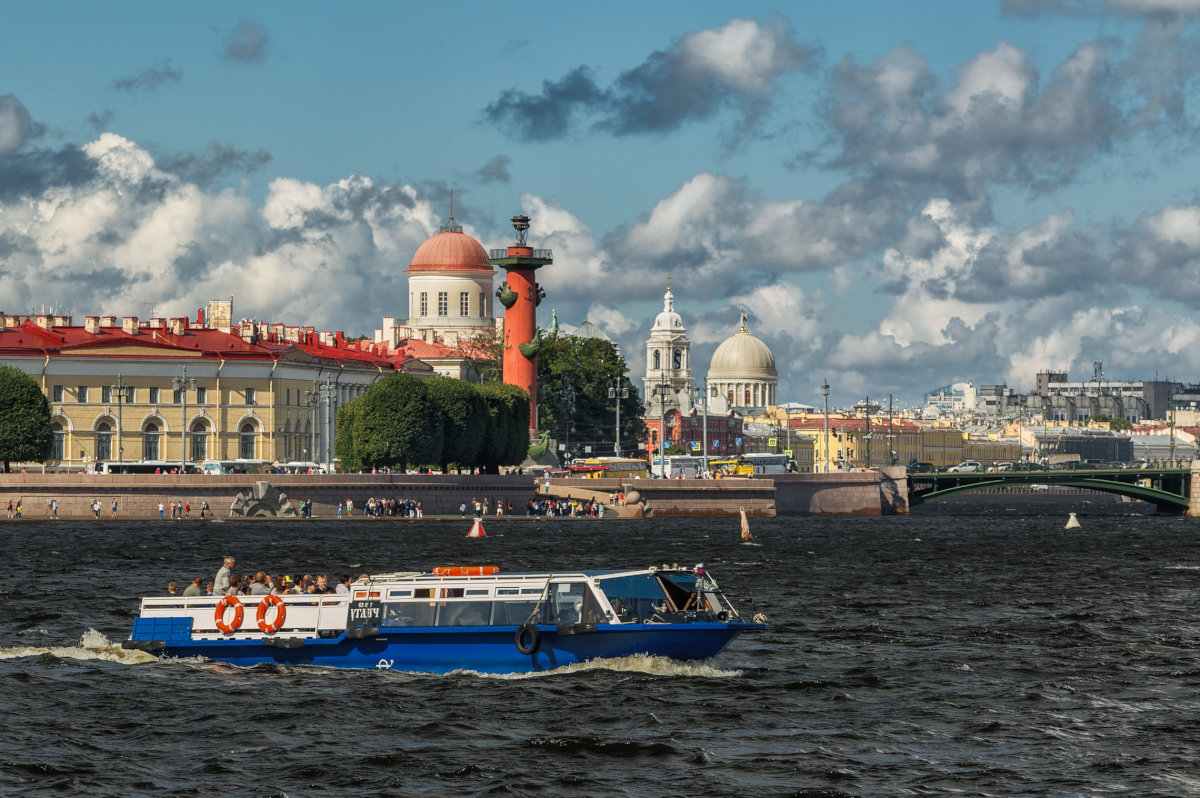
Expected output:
(179, 326)
(247, 332)
(130, 325)
(108, 321)
(62, 321)
(91, 324)
(12, 321)
(43, 321)
(3, 321)
(157, 324)
(327, 338)
(341, 339)
(292, 334)
(200, 317)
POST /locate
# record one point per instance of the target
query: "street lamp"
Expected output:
(662, 389)
(825, 394)
(618, 393)
(119, 389)
(183, 385)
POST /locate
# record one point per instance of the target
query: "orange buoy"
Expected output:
(264, 607)
(466, 570)
(219, 614)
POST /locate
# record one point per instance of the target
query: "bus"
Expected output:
(616, 467)
(745, 465)
(678, 466)
(140, 467)
(239, 466)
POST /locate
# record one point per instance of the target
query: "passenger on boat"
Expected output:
(221, 583)
(281, 585)
(343, 586)
(172, 588)
(259, 586)
(194, 588)
(235, 586)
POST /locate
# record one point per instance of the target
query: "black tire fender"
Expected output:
(528, 639)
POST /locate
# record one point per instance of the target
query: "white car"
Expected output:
(966, 466)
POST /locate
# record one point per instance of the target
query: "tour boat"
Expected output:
(456, 618)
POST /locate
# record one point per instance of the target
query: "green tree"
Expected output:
(574, 377)
(25, 434)
(398, 425)
(506, 439)
(464, 419)
(348, 416)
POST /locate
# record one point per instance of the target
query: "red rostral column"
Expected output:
(520, 295)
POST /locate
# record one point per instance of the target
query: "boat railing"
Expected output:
(304, 615)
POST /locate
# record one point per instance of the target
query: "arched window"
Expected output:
(246, 449)
(657, 359)
(677, 359)
(199, 441)
(748, 404)
(59, 443)
(103, 441)
(151, 436)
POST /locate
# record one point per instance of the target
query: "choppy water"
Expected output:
(978, 651)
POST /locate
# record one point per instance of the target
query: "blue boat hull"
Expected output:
(490, 649)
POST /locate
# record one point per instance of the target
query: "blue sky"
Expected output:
(900, 195)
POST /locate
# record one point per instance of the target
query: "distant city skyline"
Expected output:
(901, 196)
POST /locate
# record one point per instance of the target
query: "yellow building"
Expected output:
(189, 390)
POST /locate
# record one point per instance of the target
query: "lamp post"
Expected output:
(617, 392)
(825, 394)
(119, 389)
(183, 385)
(311, 398)
(663, 390)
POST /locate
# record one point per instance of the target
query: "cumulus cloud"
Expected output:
(15, 124)
(246, 43)
(1094, 8)
(495, 170)
(150, 79)
(734, 68)
(217, 159)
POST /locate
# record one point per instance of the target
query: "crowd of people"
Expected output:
(261, 583)
(574, 508)
(375, 507)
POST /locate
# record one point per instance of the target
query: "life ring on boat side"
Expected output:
(528, 639)
(238, 614)
(264, 607)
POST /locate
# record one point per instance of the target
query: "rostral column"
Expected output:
(520, 294)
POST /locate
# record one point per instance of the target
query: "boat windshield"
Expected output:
(659, 597)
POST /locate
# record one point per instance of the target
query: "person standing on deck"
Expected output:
(222, 582)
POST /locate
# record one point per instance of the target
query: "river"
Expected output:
(980, 650)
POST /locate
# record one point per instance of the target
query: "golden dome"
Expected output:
(742, 356)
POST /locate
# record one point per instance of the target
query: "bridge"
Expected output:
(1168, 489)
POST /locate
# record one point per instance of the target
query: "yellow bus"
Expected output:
(612, 467)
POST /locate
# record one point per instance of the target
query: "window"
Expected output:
(58, 444)
(201, 396)
(424, 304)
(677, 361)
(246, 447)
(482, 303)
(177, 396)
(289, 396)
(81, 394)
(153, 396)
(106, 393)
(128, 394)
(103, 441)
(199, 441)
(464, 303)
(150, 440)
(58, 393)
(249, 396)
(657, 359)
(443, 303)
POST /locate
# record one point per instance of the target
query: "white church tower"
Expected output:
(668, 380)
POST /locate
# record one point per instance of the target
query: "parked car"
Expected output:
(966, 466)
(920, 468)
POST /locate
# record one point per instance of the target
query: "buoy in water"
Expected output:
(477, 530)
(1072, 522)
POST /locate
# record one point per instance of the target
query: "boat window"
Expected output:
(464, 613)
(409, 613)
(572, 602)
(399, 593)
(635, 598)
(423, 592)
(515, 613)
(452, 592)
(507, 591)
(532, 591)
(478, 591)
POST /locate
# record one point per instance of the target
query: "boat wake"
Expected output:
(92, 646)
(635, 663)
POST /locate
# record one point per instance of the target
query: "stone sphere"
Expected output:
(633, 497)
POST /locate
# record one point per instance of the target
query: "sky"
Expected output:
(900, 195)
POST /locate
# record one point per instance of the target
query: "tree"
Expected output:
(464, 419)
(506, 439)
(25, 434)
(574, 375)
(398, 425)
(348, 417)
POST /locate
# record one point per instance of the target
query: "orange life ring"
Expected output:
(280, 613)
(239, 613)
(466, 570)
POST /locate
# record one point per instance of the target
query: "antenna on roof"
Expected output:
(451, 227)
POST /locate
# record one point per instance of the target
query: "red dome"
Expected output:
(450, 251)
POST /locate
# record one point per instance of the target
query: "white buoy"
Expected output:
(1072, 522)
(477, 530)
